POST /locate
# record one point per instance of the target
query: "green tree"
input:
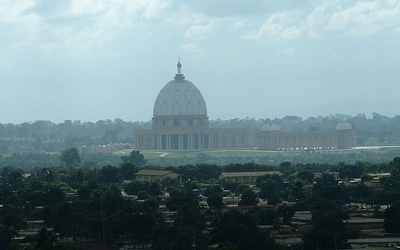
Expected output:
(394, 166)
(135, 157)
(128, 171)
(47, 174)
(150, 205)
(212, 190)
(79, 177)
(329, 232)
(6, 236)
(286, 212)
(321, 207)
(75, 224)
(70, 157)
(324, 182)
(352, 171)
(185, 202)
(10, 221)
(263, 216)
(231, 185)
(392, 218)
(47, 240)
(239, 230)
(108, 174)
(249, 198)
(143, 195)
(84, 193)
(271, 187)
(306, 176)
(208, 172)
(335, 193)
(215, 201)
(153, 188)
(360, 191)
(134, 187)
(53, 194)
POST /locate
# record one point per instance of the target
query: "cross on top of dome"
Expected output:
(179, 74)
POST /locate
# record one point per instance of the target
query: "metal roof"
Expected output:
(154, 172)
(250, 174)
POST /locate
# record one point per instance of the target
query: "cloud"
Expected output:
(332, 17)
(77, 29)
(125, 8)
(287, 51)
(366, 17)
(183, 16)
(278, 26)
(317, 19)
(87, 7)
(200, 30)
(363, 18)
(13, 10)
(189, 47)
(241, 23)
(333, 57)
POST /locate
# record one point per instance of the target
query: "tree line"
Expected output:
(47, 136)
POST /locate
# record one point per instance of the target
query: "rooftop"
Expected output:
(249, 174)
(153, 172)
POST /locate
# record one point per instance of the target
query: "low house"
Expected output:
(364, 223)
(374, 243)
(155, 175)
(247, 176)
(375, 182)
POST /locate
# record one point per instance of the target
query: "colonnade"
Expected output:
(311, 140)
(180, 141)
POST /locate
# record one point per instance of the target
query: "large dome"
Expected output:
(179, 97)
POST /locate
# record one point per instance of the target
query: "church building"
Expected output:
(180, 122)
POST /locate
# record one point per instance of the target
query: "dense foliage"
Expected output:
(108, 207)
(100, 210)
(46, 136)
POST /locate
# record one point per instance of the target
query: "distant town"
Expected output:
(137, 205)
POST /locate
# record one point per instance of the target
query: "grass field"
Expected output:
(252, 153)
(213, 153)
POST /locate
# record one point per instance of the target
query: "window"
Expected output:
(190, 122)
(176, 122)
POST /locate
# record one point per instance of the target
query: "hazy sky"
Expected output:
(89, 60)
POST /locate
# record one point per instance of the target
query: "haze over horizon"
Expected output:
(94, 60)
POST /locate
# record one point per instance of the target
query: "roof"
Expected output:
(275, 127)
(179, 97)
(363, 221)
(266, 127)
(249, 174)
(374, 240)
(344, 126)
(153, 172)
